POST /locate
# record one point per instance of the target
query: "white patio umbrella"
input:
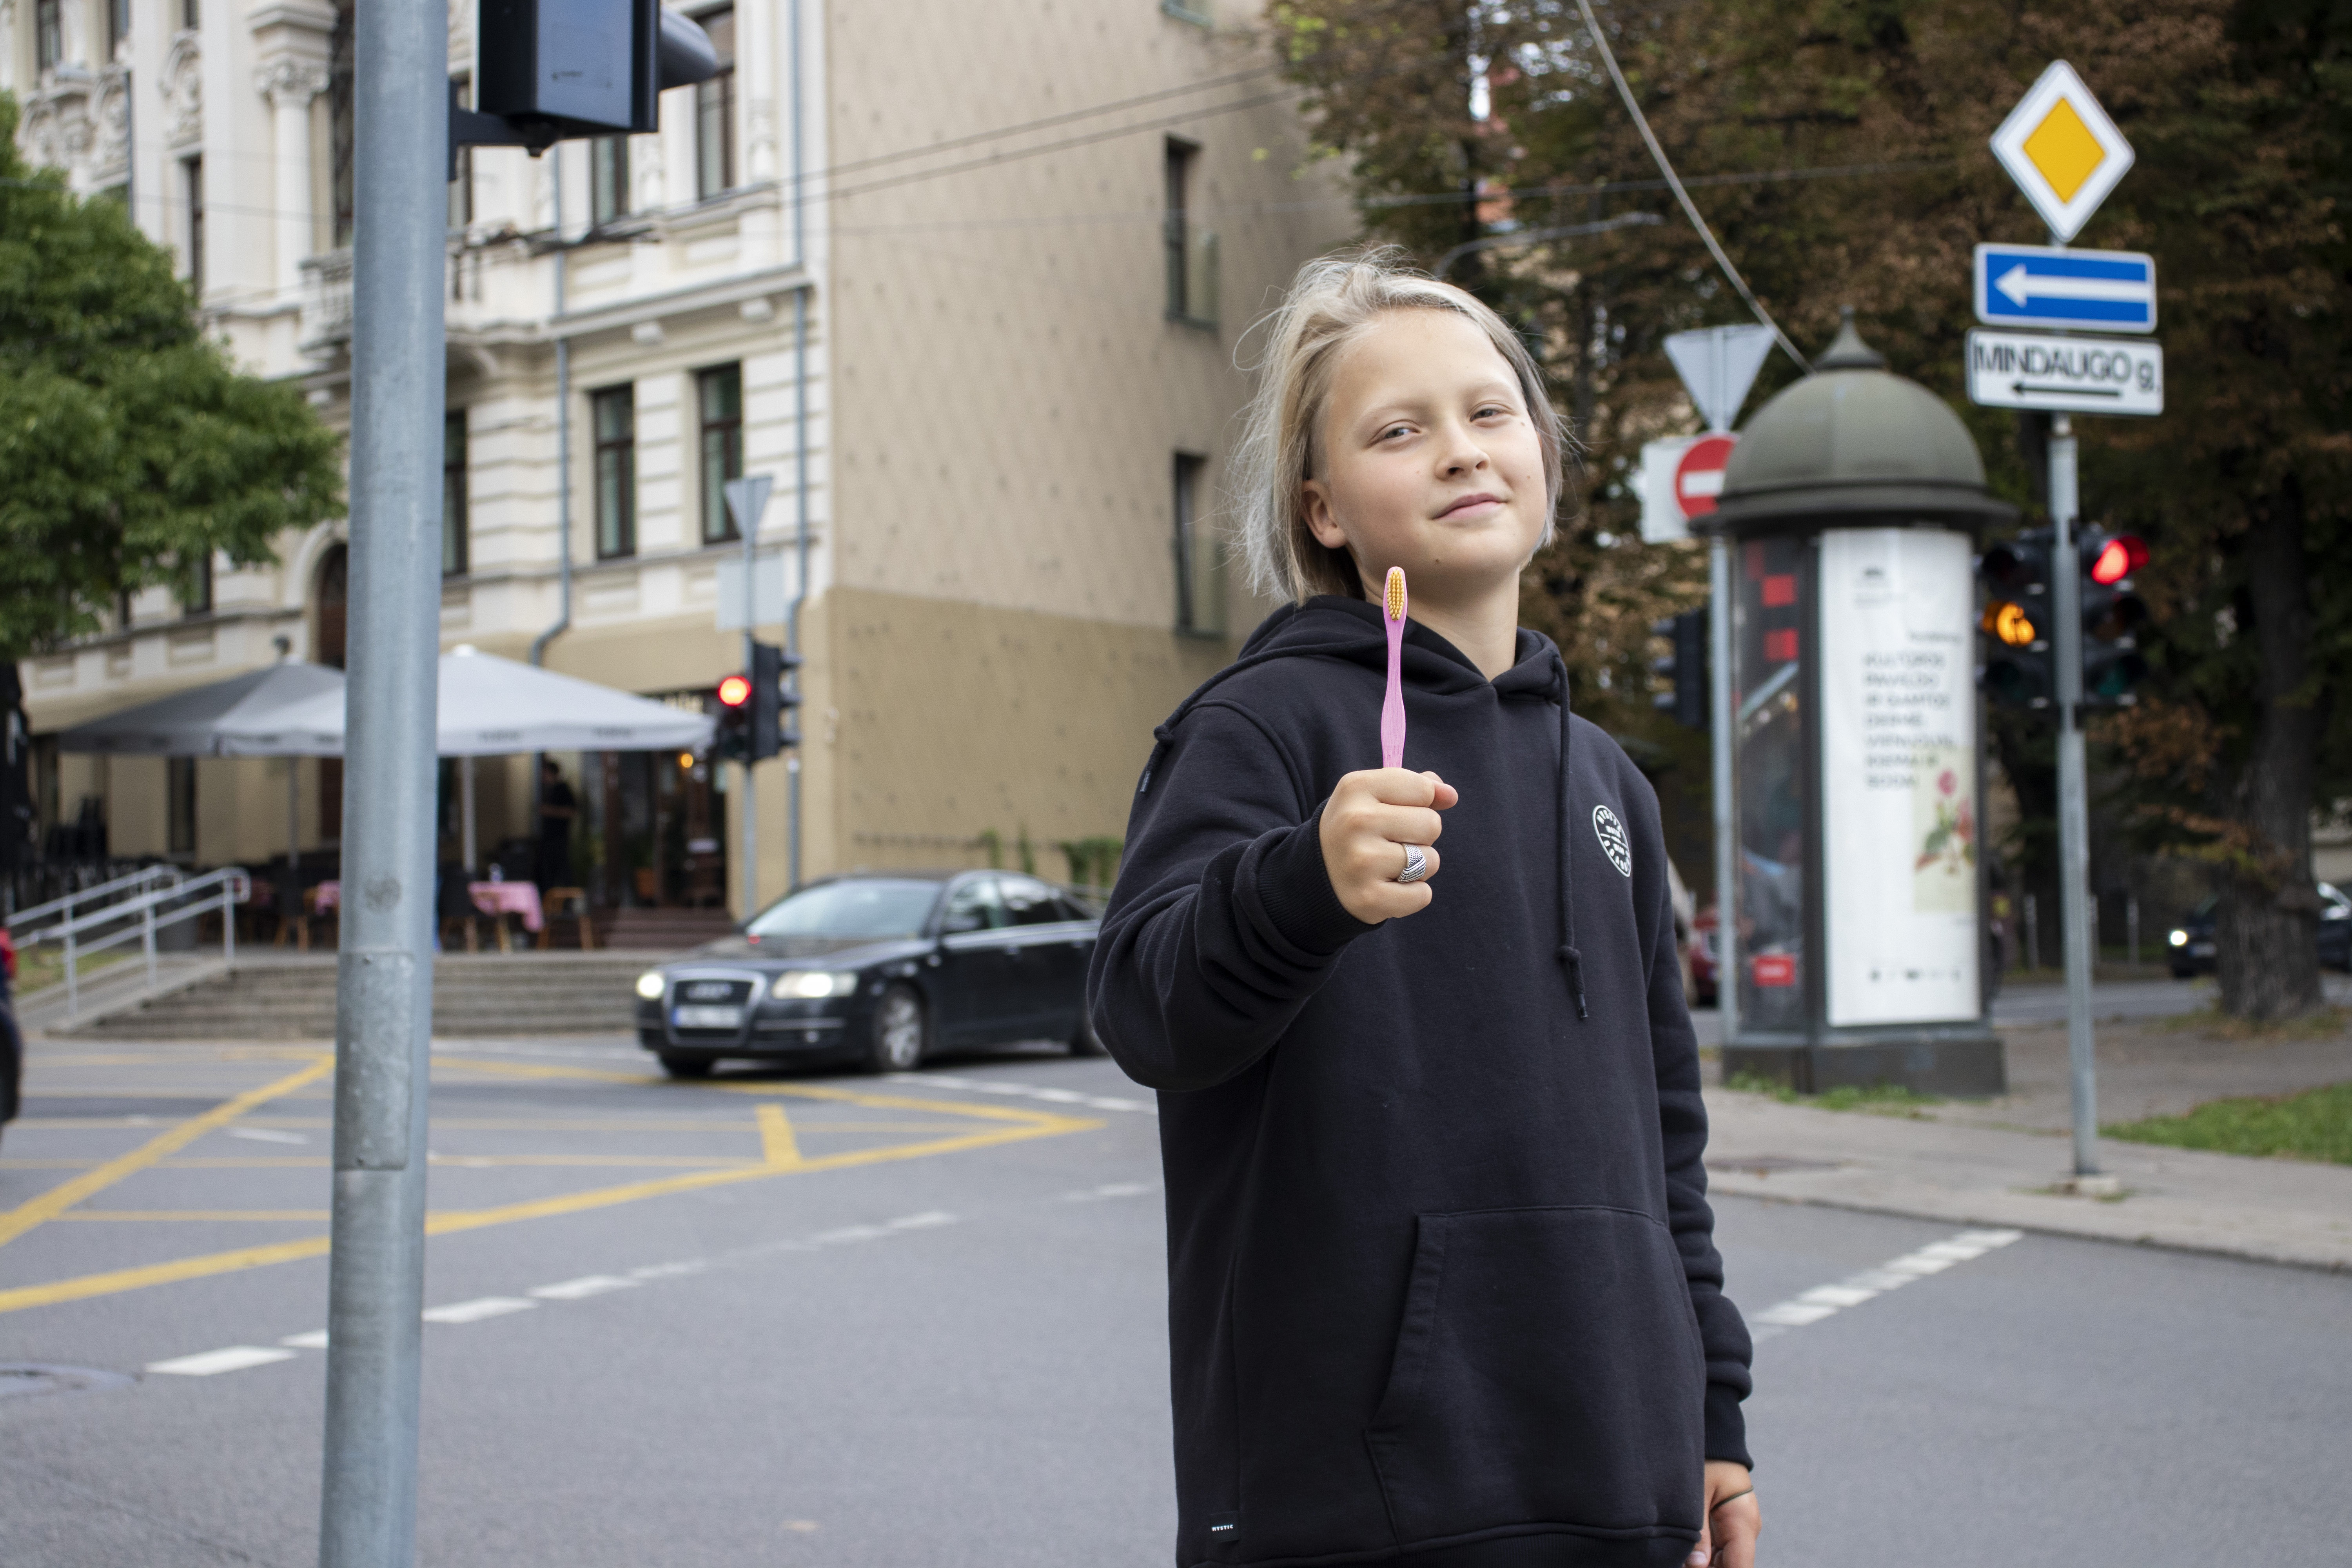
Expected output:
(238, 717)
(495, 707)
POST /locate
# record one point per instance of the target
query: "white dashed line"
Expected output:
(266, 1135)
(921, 1221)
(315, 1340)
(1030, 1091)
(475, 1310)
(1112, 1190)
(1827, 1300)
(208, 1364)
(583, 1287)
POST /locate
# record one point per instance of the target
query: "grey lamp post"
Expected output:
(1855, 927)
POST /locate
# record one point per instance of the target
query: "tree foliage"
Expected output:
(1838, 149)
(131, 446)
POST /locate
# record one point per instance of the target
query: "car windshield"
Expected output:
(872, 907)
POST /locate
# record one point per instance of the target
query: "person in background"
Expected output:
(557, 808)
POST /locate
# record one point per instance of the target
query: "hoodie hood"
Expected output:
(1350, 631)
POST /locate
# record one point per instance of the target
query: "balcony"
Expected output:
(326, 301)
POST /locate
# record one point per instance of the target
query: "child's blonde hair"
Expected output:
(1334, 301)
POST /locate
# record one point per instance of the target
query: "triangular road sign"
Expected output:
(1718, 364)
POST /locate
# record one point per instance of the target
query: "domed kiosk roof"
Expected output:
(1852, 444)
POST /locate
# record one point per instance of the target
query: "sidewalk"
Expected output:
(1999, 1163)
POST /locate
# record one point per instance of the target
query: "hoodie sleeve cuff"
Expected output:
(1295, 889)
(1726, 1425)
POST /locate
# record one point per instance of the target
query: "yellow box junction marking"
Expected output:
(66, 1194)
(779, 1144)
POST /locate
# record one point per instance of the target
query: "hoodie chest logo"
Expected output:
(1613, 842)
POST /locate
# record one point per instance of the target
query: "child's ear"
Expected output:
(1315, 501)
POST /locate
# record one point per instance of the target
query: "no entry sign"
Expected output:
(1698, 478)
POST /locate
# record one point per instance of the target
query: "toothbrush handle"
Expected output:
(1392, 706)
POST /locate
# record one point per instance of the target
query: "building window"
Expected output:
(180, 806)
(199, 599)
(453, 495)
(118, 27)
(461, 189)
(192, 186)
(1200, 556)
(714, 110)
(48, 34)
(616, 471)
(608, 179)
(719, 395)
(1192, 252)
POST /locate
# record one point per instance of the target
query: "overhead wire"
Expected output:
(1690, 208)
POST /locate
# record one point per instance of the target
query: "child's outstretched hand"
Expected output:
(1369, 818)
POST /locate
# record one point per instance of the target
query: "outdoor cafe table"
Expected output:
(499, 898)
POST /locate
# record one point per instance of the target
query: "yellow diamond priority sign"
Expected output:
(2062, 151)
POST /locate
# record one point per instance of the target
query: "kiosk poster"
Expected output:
(1899, 812)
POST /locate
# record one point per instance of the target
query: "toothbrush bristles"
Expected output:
(1395, 593)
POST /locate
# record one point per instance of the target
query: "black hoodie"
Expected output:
(1441, 1266)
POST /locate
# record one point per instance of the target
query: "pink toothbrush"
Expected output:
(1392, 706)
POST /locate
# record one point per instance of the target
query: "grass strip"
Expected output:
(2316, 1124)
(1877, 1098)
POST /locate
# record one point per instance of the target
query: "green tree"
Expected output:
(130, 447)
(1839, 151)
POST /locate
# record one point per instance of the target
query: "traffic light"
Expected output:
(772, 703)
(546, 71)
(2021, 664)
(732, 742)
(2112, 616)
(1685, 666)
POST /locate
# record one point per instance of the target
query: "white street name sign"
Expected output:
(2064, 374)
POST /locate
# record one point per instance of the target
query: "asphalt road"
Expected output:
(864, 1323)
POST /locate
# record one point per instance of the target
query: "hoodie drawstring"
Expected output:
(1569, 956)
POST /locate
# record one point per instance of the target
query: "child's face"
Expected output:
(1429, 460)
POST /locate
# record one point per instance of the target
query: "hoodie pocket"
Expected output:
(1547, 1370)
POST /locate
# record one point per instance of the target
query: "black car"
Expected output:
(2191, 941)
(878, 970)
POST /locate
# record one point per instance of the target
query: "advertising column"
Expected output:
(1898, 776)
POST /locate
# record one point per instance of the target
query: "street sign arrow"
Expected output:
(2044, 286)
(2062, 375)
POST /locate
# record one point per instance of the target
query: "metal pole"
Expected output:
(466, 849)
(2131, 925)
(800, 539)
(383, 1002)
(1727, 840)
(2073, 797)
(749, 527)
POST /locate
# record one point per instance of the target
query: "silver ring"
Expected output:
(1416, 864)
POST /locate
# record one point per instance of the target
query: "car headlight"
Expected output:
(810, 984)
(650, 985)
(2178, 939)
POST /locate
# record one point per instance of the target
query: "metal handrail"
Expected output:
(139, 879)
(225, 889)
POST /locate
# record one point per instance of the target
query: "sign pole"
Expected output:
(2073, 797)
(747, 500)
(384, 982)
(1726, 843)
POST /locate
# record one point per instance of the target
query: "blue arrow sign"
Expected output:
(2043, 286)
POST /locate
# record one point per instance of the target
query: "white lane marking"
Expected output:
(578, 1290)
(237, 1358)
(1827, 1300)
(475, 1310)
(1030, 1091)
(1112, 1190)
(265, 1135)
(208, 1364)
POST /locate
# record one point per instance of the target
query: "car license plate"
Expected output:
(707, 1018)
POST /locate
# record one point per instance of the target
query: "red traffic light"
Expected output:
(2118, 559)
(734, 691)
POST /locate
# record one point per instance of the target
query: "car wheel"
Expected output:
(901, 1032)
(687, 1066)
(1086, 1042)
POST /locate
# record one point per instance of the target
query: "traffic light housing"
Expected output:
(2020, 660)
(547, 70)
(732, 742)
(1686, 667)
(2112, 615)
(771, 702)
